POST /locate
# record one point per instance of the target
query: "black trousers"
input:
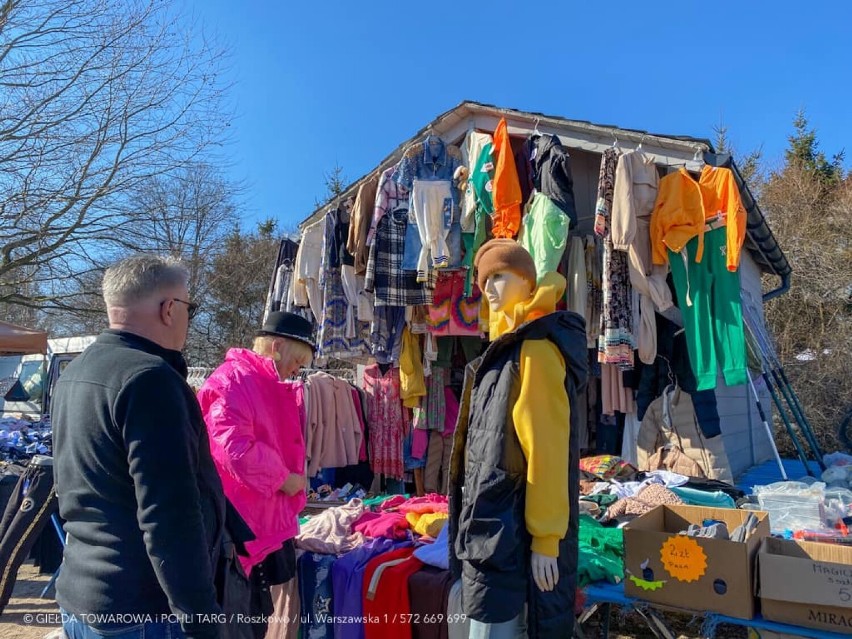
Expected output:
(27, 514)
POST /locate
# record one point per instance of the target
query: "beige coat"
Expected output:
(334, 434)
(670, 419)
(634, 194)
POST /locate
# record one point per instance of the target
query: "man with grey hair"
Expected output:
(137, 487)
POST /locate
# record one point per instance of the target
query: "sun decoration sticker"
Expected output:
(683, 558)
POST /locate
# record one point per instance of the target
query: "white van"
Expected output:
(28, 380)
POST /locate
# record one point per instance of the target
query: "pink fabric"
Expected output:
(431, 503)
(451, 313)
(390, 525)
(419, 443)
(356, 397)
(392, 502)
(451, 412)
(334, 432)
(255, 429)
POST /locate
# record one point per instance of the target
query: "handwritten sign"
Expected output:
(683, 558)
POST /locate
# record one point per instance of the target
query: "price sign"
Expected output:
(683, 558)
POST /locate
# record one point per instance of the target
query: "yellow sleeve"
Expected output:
(542, 422)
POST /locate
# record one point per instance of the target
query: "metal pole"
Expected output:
(766, 426)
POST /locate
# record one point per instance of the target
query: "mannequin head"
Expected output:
(504, 289)
(505, 273)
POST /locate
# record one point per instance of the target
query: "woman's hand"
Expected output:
(294, 484)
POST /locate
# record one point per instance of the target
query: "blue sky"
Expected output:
(319, 83)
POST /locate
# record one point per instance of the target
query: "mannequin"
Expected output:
(514, 469)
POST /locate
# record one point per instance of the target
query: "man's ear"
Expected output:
(167, 312)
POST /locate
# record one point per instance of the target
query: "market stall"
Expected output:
(658, 242)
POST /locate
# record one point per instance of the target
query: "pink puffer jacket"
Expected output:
(254, 423)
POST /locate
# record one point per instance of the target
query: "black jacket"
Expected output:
(491, 545)
(544, 164)
(142, 500)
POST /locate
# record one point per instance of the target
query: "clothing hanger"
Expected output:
(615, 141)
(535, 127)
(639, 148)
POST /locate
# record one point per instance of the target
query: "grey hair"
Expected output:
(137, 278)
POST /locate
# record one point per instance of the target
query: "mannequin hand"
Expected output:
(294, 484)
(545, 571)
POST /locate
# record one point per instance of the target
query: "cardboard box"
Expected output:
(706, 575)
(807, 584)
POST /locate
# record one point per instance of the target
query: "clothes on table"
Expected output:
(387, 418)
(388, 525)
(437, 553)
(347, 575)
(331, 531)
(316, 595)
(386, 594)
(601, 553)
(645, 501)
(429, 592)
(429, 524)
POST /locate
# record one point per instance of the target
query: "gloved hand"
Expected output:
(545, 571)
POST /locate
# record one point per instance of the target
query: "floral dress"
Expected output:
(387, 419)
(616, 342)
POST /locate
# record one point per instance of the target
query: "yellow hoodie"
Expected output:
(542, 417)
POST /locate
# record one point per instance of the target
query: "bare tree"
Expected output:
(97, 99)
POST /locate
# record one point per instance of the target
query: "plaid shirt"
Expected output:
(390, 196)
(385, 277)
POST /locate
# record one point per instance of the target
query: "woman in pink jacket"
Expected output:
(254, 420)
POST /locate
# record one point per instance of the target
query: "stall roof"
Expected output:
(17, 340)
(667, 149)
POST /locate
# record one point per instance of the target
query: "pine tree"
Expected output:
(804, 152)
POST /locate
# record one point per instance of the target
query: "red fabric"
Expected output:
(451, 412)
(390, 525)
(432, 503)
(391, 595)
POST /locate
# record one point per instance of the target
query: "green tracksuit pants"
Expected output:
(708, 295)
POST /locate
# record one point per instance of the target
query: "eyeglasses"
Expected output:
(191, 307)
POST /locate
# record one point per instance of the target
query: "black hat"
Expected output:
(289, 325)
